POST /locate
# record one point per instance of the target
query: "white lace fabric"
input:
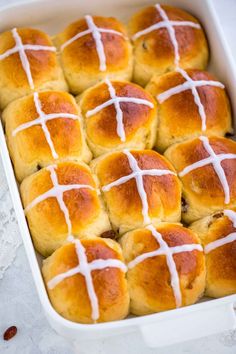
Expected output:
(9, 232)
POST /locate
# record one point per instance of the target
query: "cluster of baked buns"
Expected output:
(108, 169)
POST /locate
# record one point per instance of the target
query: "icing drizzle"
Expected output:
(116, 100)
(138, 175)
(231, 216)
(21, 48)
(165, 250)
(85, 268)
(169, 26)
(96, 32)
(57, 192)
(42, 120)
(215, 160)
(192, 85)
(224, 240)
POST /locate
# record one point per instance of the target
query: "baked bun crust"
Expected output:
(218, 235)
(131, 125)
(44, 143)
(180, 118)
(71, 297)
(131, 203)
(84, 62)
(36, 69)
(156, 53)
(53, 212)
(159, 282)
(206, 189)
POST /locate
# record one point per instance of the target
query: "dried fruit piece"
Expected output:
(109, 234)
(10, 333)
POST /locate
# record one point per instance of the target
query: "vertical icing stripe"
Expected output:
(140, 186)
(85, 271)
(44, 126)
(98, 41)
(23, 57)
(59, 197)
(175, 283)
(119, 113)
(218, 168)
(171, 31)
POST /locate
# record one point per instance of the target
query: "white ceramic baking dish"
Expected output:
(199, 320)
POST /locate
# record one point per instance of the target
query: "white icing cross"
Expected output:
(165, 250)
(21, 48)
(116, 100)
(169, 25)
(215, 160)
(138, 175)
(224, 240)
(96, 34)
(57, 192)
(42, 120)
(192, 85)
(85, 268)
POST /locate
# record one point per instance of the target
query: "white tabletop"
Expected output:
(19, 304)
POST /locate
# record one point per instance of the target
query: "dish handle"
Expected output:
(189, 326)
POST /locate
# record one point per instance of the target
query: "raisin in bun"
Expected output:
(92, 49)
(86, 281)
(161, 42)
(28, 62)
(218, 236)
(118, 114)
(190, 103)
(44, 128)
(139, 187)
(60, 200)
(166, 267)
(207, 169)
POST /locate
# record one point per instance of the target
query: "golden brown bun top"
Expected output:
(180, 110)
(95, 248)
(67, 173)
(204, 182)
(70, 296)
(116, 165)
(82, 203)
(163, 192)
(153, 273)
(65, 133)
(174, 235)
(221, 260)
(42, 62)
(218, 226)
(51, 102)
(160, 47)
(82, 53)
(102, 126)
